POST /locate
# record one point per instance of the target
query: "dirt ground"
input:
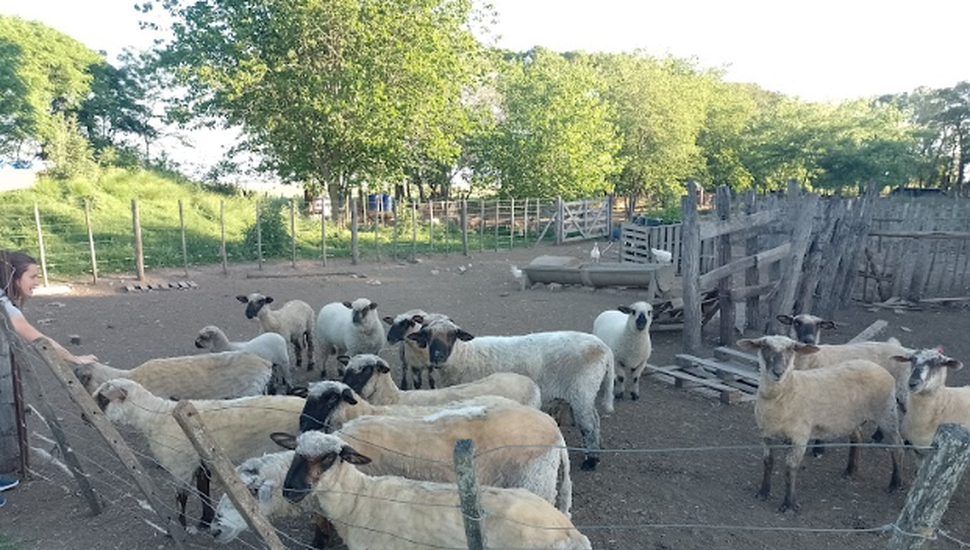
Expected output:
(680, 470)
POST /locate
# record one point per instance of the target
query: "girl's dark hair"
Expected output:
(13, 265)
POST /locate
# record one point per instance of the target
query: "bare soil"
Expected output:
(680, 470)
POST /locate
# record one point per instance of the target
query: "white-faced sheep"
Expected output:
(569, 366)
(413, 357)
(372, 512)
(797, 406)
(626, 330)
(241, 427)
(263, 476)
(269, 345)
(930, 402)
(370, 377)
(805, 327)
(518, 446)
(294, 322)
(348, 328)
(221, 375)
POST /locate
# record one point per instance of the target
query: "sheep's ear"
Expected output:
(383, 367)
(464, 336)
(83, 374)
(785, 319)
(242, 299)
(805, 348)
(268, 300)
(343, 359)
(350, 456)
(417, 319)
(284, 440)
(348, 396)
(372, 306)
(827, 324)
(903, 358)
(348, 305)
(420, 338)
(953, 364)
(389, 320)
(299, 391)
(625, 309)
(748, 344)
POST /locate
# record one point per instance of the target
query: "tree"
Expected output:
(553, 134)
(335, 92)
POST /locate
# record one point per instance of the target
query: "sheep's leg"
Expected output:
(308, 335)
(619, 384)
(404, 368)
(416, 377)
(588, 421)
(635, 381)
(181, 498)
(854, 452)
(818, 448)
(203, 478)
(768, 465)
(431, 382)
(890, 432)
(325, 534)
(794, 461)
(298, 350)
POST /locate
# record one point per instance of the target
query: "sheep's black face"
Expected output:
(252, 308)
(399, 330)
(296, 485)
(917, 376)
(439, 350)
(358, 377)
(641, 320)
(102, 402)
(319, 409)
(805, 332)
(775, 362)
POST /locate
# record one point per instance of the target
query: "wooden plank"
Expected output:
(720, 369)
(962, 235)
(722, 202)
(803, 208)
(752, 275)
(736, 356)
(772, 255)
(870, 332)
(727, 394)
(747, 292)
(691, 269)
(710, 230)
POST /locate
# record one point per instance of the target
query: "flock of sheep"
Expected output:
(375, 456)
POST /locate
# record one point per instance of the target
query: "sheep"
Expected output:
(413, 357)
(268, 345)
(393, 512)
(626, 330)
(518, 446)
(294, 321)
(370, 377)
(569, 366)
(930, 402)
(805, 328)
(348, 328)
(240, 427)
(223, 375)
(263, 476)
(796, 406)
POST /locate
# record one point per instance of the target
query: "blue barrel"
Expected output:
(388, 203)
(372, 202)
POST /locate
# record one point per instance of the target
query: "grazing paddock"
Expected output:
(679, 470)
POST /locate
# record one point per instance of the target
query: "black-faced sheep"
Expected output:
(372, 512)
(569, 366)
(269, 345)
(414, 359)
(370, 377)
(626, 330)
(348, 328)
(294, 322)
(796, 406)
(805, 327)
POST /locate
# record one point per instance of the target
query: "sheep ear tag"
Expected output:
(939, 349)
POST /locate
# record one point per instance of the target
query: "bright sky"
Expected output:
(818, 50)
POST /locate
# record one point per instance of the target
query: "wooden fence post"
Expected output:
(323, 233)
(222, 238)
(293, 231)
(40, 244)
(481, 225)
(446, 210)
(801, 209)
(691, 263)
(752, 276)
(94, 257)
(512, 225)
(139, 251)
(431, 225)
(259, 235)
(188, 419)
(722, 204)
(560, 223)
(498, 220)
(464, 227)
(185, 254)
(354, 252)
(936, 480)
(378, 216)
(414, 230)
(471, 508)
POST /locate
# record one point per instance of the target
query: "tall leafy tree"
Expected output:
(329, 91)
(554, 133)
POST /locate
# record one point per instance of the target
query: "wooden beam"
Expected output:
(707, 280)
(709, 230)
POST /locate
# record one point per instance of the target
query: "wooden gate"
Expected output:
(579, 220)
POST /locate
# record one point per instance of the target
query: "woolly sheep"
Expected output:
(796, 406)
(269, 345)
(241, 427)
(370, 377)
(264, 477)
(348, 328)
(626, 330)
(413, 357)
(930, 402)
(518, 446)
(570, 366)
(294, 322)
(805, 327)
(221, 375)
(394, 512)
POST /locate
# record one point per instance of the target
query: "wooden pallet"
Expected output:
(731, 376)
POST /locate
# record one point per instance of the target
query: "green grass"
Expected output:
(109, 195)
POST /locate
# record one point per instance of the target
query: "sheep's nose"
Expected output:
(641, 322)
